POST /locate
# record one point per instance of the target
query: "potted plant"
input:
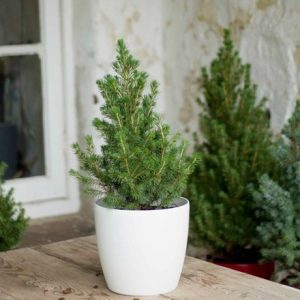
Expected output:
(234, 154)
(278, 205)
(12, 217)
(137, 178)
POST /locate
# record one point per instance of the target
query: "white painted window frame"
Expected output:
(55, 193)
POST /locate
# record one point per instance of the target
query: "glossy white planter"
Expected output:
(142, 251)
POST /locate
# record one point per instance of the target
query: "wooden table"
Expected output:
(71, 270)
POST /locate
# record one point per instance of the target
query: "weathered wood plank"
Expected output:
(203, 280)
(27, 274)
(4, 295)
(199, 278)
(80, 251)
(46, 271)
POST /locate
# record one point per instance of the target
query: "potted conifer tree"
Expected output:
(137, 178)
(234, 154)
(12, 216)
(277, 205)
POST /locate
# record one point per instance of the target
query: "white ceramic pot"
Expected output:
(142, 251)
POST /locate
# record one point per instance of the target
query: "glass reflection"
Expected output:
(19, 22)
(21, 116)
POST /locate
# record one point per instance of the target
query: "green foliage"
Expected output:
(140, 165)
(278, 203)
(276, 231)
(235, 127)
(12, 217)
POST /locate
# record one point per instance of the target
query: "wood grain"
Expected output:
(71, 270)
(82, 252)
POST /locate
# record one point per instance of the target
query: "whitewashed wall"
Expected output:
(174, 38)
(98, 26)
(265, 31)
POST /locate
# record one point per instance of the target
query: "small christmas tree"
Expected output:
(278, 203)
(139, 166)
(235, 153)
(12, 217)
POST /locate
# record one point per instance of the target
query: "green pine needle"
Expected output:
(12, 217)
(140, 165)
(236, 152)
(278, 203)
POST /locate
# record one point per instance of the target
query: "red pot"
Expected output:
(263, 270)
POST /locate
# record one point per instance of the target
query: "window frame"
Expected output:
(55, 192)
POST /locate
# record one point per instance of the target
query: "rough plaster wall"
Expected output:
(265, 31)
(98, 24)
(174, 38)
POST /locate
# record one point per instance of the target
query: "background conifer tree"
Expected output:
(12, 217)
(235, 127)
(278, 203)
(139, 166)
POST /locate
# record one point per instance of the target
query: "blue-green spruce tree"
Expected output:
(278, 203)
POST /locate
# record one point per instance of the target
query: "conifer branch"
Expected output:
(12, 216)
(236, 151)
(139, 161)
(162, 150)
(277, 203)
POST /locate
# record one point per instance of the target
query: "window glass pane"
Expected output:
(19, 22)
(21, 116)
